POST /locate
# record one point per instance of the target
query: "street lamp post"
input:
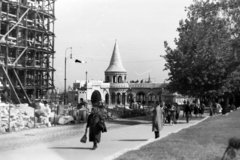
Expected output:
(82, 61)
(86, 86)
(65, 78)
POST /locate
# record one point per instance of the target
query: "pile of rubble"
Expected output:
(21, 116)
(15, 117)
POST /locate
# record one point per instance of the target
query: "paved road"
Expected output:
(60, 143)
(31, 137)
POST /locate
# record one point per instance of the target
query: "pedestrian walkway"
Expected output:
(113, 143)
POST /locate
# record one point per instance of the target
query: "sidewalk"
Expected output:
(113, 143)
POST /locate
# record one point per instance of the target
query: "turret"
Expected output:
(115, 73)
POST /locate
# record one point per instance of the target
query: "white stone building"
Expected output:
(116, 90)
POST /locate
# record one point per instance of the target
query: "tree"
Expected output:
(206, 60)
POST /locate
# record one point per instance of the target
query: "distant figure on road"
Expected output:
(184, 108)
(94, 130)
(196, 109)
(157, 120)
(202, 108)
(177, 111)
(214, 108)
(210, 108)
(173, 110)
(187, 111)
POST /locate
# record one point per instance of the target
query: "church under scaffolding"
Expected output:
(26, 49)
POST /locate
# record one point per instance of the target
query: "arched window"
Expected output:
(113, 98)
(107, 79)
(130, 98)
(114, 79)
(120, 79)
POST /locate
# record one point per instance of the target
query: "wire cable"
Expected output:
(139, 61)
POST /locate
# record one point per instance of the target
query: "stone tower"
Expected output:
(115, 73)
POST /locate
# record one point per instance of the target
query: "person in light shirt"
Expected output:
(157, 120)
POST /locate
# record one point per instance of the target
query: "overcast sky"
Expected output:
(90, 27)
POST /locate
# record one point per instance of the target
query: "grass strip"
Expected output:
(205, 141)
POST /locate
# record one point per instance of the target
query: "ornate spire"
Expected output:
(116, 62)
(149, 79)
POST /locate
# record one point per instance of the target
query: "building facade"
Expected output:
(115, 90)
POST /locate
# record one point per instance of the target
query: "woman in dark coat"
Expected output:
(94, 130)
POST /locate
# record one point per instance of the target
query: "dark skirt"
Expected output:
(94, 131)
(94, 134)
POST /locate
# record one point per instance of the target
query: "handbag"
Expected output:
(84, 138)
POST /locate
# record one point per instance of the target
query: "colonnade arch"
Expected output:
(140, 97)
(130, 98)
(116, 78)
(158, 97)
(107, 98)
(118, 98)
(120, 79)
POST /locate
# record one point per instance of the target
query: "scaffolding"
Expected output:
(27, 48)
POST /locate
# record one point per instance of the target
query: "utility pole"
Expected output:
(86, 86)
(65, 75)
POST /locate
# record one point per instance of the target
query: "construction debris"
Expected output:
(21, 116)
(15, 117)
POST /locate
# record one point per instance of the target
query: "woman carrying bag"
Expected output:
(96, 125)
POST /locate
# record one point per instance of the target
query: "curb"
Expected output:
(118, 154)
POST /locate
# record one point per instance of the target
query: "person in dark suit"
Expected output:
(184, 108)
(177, 111)
(94, 129)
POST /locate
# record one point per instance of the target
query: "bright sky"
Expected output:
(90, 27)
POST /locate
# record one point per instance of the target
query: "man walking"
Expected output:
(188, 111)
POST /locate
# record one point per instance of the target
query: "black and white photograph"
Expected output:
(119, 79)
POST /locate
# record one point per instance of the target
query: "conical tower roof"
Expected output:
(116, 61)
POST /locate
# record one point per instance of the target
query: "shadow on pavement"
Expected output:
(147, 120)
(167, 124)
(87, 148)
(180, 123)
(132, 140)
(128, 122)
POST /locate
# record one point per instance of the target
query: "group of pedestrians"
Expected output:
(161, 114)
(171, 111)
(169, 114)
(214, 108)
